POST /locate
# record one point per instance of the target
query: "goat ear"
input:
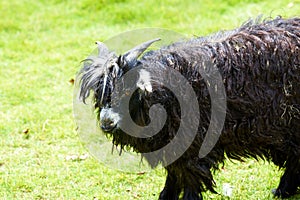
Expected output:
(131, 56)
(102, 49)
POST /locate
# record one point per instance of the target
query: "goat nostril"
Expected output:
(112, 124)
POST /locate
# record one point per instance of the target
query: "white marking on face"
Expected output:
(144, 82)
(108, 113)
(103, 90)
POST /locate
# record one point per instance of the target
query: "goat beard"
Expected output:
(139, 145)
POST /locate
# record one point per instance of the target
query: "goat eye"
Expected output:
(112, 66)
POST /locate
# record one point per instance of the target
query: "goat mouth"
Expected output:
(109, 129)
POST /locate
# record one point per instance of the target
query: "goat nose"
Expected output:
(107, 125)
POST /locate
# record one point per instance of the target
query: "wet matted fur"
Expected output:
(260, 66)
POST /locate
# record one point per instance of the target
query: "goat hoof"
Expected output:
(280, 194)
(276, 192)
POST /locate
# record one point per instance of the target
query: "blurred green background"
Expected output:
(41, 46)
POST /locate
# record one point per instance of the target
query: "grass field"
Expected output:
(41, 46)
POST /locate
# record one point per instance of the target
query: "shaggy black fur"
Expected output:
(260, 66)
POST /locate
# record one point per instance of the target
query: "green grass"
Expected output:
(41, 46)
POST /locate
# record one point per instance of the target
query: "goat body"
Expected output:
(260, 68)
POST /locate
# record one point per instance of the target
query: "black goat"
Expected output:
(260, 68)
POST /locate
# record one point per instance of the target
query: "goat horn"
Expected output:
(134, 53)
(102, 49)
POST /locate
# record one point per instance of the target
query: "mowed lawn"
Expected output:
(41, 46)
